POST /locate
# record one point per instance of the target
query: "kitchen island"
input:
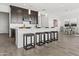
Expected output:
(21, 31)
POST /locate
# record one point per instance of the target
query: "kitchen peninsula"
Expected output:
(20, 32)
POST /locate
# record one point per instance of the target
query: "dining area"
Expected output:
(70, 27)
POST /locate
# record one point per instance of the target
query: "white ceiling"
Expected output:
(51, 8)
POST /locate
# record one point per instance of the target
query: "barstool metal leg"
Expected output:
(23, 40)
(57, 35)
(34, 40)
(31, 40)
(26, 41)
(44, 38)
(54, 36)
(51, 37)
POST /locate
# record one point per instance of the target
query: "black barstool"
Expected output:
(40, 38)
(50, 35)
(47, 40)
(54, 35)
(31, 41)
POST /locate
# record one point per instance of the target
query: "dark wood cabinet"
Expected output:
(20, 14)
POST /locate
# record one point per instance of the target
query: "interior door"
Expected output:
(4, 22)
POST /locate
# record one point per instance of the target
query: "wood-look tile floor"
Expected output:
(67, 45)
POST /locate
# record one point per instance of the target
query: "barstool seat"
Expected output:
(31, 41)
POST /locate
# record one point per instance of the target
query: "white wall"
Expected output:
(72, 16)
(4, 18)
(42, 20)
(4, 8)
(51, 21)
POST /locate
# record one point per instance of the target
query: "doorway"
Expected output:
(4, 23)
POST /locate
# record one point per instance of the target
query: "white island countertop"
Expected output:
(20, 32)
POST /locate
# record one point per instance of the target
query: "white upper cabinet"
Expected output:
(4, 8)
(42, 20)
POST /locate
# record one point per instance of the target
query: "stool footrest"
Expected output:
(47, 41)
(40, 43)
(51, 40)
(29, 47)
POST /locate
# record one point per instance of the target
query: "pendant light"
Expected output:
(39, 13)
(29, 12)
